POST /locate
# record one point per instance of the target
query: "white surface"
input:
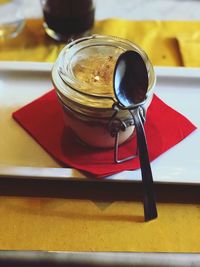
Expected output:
(179, 87)
(134, 9)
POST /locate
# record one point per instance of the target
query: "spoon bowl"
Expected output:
(130, 79)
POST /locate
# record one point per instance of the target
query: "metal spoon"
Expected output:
(130, 88)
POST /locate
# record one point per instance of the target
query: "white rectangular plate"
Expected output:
(22, 157)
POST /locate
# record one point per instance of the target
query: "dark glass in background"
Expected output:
(68, 19)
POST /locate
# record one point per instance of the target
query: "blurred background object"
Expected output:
(68, 19)
(11, 18)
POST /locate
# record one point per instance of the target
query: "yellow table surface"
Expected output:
(92, 217)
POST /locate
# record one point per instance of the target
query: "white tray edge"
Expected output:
(47, 67)
(25, 66)
(70, 174)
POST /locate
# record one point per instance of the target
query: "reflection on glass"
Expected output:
(11, 18)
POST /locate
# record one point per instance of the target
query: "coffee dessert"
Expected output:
(83, 79)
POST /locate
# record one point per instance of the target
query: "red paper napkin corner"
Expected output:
(43, 120)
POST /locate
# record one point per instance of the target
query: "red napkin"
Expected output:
(43, 120)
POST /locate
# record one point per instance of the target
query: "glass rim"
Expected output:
(67, 86)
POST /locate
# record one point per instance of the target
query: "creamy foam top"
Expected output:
(97, 72)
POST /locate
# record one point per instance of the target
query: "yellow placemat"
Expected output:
(88, 225)
(168, 43)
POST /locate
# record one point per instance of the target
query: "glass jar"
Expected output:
(83, 79)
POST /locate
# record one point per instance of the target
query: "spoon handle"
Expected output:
(150, 210)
